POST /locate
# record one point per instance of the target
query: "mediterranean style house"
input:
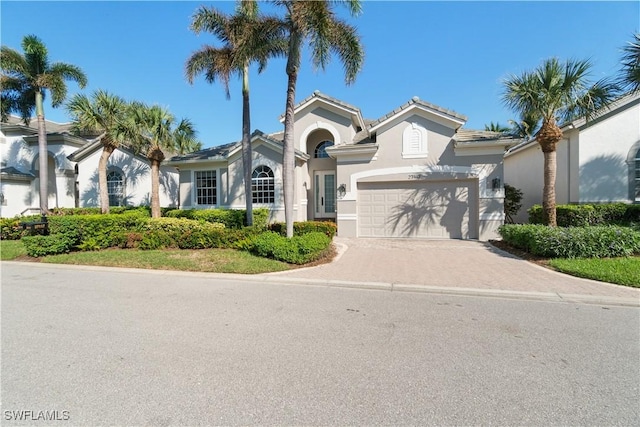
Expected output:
(73, 171)
(412, 173)
(597, 160)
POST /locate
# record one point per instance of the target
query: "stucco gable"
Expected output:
(334, 105)
(416, 106)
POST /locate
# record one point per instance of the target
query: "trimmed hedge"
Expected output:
(297, 250)
(38, 246)
(92, 232)
(589, 214)
(115, 210)
(572, 242)
(231, 218)
(300, 228)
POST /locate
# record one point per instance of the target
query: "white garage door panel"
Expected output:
(415, 209)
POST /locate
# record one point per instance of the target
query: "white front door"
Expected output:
(325, 194)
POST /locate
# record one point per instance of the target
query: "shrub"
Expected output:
(113, 210)
(300, 228)
(573, 242)
(10, 228)
(181, 232)
(98, 231)
(297, 250)
(231, 218)
(512, 202)
(588, 214)
(53, 244)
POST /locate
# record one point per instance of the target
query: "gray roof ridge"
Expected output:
(417, 101)
(321, 95)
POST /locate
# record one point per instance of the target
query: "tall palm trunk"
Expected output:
(107, 149)
(549, 189)
(246, 145)
(43, 161)
(288, 160)
(156, 156)
(548, 137)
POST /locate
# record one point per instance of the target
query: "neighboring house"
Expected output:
(597, 160)
(73, 171)
(411, 173)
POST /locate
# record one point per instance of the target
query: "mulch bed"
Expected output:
(544, 262)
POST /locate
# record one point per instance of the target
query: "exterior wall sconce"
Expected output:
(342, 191)
(1, 198)
(495, 184)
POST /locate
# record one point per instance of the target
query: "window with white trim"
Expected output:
(115, 188)
(206, 188)
(263, 185)
(321, 150)
(414, 141)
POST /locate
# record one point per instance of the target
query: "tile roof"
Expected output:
(223, 151)
(33, 124)
(320, 95)
(471, 137)
(10, 170)
(417, 101)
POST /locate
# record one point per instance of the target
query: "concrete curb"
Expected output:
(272, 278)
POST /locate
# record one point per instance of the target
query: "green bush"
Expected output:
(573, 242)
(297, 250)
(113, 210)
(97, 231)
(300, 228)
(10, 228)
(54, 244)
(512, 202)
(231, 218)
(182, 233)
(589, 214)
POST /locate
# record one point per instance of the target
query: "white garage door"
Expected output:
(429, 209)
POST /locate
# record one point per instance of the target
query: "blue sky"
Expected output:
(453, 54)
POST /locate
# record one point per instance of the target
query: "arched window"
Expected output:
(637, 198)
(321, 150)
(263, 185)
(115, 188)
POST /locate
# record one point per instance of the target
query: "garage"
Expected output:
(419, 209)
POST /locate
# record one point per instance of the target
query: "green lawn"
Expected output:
(11, 249)
(623, 271)
(206, 260)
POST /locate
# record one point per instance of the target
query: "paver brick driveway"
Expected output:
(449, 263)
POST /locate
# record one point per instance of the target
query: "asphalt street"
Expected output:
(124, 347)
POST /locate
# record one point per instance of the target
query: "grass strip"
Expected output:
(622, 271)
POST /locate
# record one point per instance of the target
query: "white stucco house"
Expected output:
(597, 160)
(412, 173)
(73, 171)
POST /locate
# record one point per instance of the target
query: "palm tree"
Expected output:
(25, 80)
(156, 132)
(496, 127)
(103, 114)
(556, 92)
(314, 22)
(246, 37)
(630, 78)
(526, 127)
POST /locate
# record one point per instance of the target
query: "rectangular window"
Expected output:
(263, 190)
(206, 188)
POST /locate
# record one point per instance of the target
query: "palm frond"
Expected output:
(630, 73)
(13, 63)
(345, 42)
(36, 55)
